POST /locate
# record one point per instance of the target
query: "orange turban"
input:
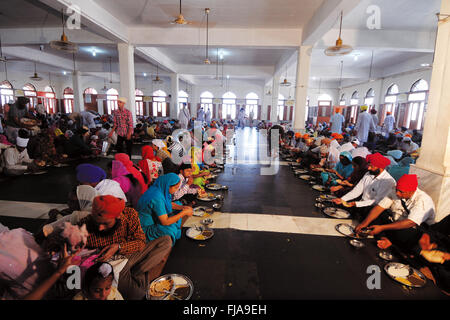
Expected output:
(306, 136)
(407, 183)
(388, 112)
(298, 135)
(378, 160)
(108, 206)
(408, 136)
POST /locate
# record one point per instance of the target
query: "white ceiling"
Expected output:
(224, 14)
(27, 13)
(411, 15)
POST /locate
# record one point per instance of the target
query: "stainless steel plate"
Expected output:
(405, 274)
(320, 205)
(327, 196)
(356, 243)
(336, 213)
(305, 177)
(385, 255)
(200, 211)
(199, 233)
(214, 186)
(181, 288)
(348, 231)
(300, 171)
(207, 198)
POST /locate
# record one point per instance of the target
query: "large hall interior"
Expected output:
(225, 150)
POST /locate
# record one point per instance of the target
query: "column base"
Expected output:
(437, 186)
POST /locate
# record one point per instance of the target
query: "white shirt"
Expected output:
(13, 159)
(88, 119)
(336, 121)
(349, 147)
(184, 118)
(373, 189)
(388, 124)
(363, 126)
(420, 205)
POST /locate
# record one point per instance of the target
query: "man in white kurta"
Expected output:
(337, 120)
(208, 116)
(388, 124)
(15, 160)
(184, 117)
(364, 125)
(200, 115)
(241, 118)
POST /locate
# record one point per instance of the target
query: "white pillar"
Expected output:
(433, 165)
(175, 87)
(194, 98)
(275, 92)
(126, 71)
(301, 87)
(78, 100)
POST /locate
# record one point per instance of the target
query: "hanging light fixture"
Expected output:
(285, 83)
(64, 44)
(339, 49)
(370, 71)
(2, 58)
(340, 78)
(157, 80)
(180, 19)
(110, 69)
(206, 61)
(35, 77)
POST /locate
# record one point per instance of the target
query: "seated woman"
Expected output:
(134, 170)
(97, 284)
(155, 209)
(342, 171)
(129, 184)
(150, 164)
(359, 170)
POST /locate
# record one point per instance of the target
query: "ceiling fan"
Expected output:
(35, 77)
(206, 61)
(285, 83)
(157, 78)
(64, 44)
(180, 19)
(339, 49)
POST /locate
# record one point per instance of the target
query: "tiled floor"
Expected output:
(270, 241)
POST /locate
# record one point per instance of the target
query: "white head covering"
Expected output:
(123, 99)
(21, 142)
(159, 143)
(110, 187)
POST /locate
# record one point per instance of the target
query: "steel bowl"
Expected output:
(217, 206)
(219, 197)
(356, 243)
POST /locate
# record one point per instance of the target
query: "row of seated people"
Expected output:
(381, 195)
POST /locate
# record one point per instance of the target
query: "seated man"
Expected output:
(406, 208)
(117, 230)
(376, 184)
(15, 161)
(409, 147)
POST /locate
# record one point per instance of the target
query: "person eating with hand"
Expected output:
(116, 230)
(376, 184)
(397, 216)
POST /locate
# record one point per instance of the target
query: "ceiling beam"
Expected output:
(325, 19)
(218, 37)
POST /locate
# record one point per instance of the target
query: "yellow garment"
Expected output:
(113, 295)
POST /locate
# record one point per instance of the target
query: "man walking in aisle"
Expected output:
(123, 126)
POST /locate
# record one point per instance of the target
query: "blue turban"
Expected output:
(396, 154)
(89, 173)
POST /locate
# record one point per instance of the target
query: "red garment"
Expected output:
(108, 206)
(407, 183)
(123, 120)
(125, 159)
(378, 160)
(147, 154)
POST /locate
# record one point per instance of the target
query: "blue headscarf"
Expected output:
(162, 185)
(347, 170)
(396, 154)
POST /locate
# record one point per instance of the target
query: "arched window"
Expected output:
(182, 99)
(50, 100)
(139, 96)
(229, 106)
(369, 99)
(390, 101)
(251, 105)
(324, 101)
(30, 92)
(159, 104)
(417, 105)
(68, 100)
(342, 102)
(6, 92)
(111, 99)
(280, 107)
(206, 101)
(354, 102)
(90, 91)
